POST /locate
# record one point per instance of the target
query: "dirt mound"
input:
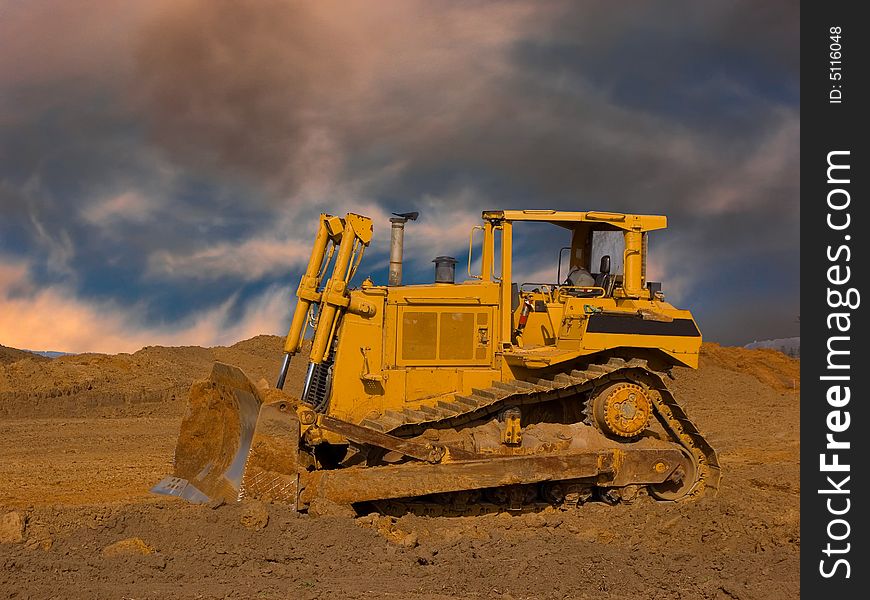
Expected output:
(153, 380)
(80, 486)
(771, 367)
(10, 355)
(599, 552)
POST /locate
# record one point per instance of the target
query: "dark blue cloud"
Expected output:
(677, 109)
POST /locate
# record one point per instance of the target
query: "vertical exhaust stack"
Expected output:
(397, 240)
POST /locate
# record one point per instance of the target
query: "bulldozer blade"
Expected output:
(235, 441)
(181, 488)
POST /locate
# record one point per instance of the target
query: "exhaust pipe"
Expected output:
(397, 240)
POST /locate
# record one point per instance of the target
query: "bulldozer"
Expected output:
(446, 397)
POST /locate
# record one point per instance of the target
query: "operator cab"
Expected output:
(592, 265)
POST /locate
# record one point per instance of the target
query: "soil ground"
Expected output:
(77, 462)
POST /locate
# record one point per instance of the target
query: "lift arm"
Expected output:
(348, 238)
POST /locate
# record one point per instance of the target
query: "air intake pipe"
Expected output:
(445, 269)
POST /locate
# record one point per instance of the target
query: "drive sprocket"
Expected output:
(622, 409)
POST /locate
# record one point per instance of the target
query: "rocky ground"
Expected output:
(83, 437)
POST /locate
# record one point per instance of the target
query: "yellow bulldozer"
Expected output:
(467, 397)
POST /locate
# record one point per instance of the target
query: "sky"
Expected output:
(163, 162)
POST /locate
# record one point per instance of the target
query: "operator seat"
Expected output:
(603, 277)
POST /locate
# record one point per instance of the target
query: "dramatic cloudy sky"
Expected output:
(162, 163)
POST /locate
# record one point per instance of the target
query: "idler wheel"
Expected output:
(680, 484)
(622, 410)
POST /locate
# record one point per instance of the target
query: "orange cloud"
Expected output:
(53, 318)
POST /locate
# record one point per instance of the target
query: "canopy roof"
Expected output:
(570, 219)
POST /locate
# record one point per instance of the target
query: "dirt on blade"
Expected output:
(78, 465)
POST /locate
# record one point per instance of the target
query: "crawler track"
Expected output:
(577, 383)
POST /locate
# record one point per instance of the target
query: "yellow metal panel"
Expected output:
(361, 226)
(422, 383)
(456, 336)
(390, 336)
(358, 354)
(470, 292)
(487, 252)
(632, 264)
(677, 346)
(444, 335)
(506, 325)
(419, 335)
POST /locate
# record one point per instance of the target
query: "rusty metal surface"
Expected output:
(483, 403)
(270, 471)
(420, 450)
(611, 467)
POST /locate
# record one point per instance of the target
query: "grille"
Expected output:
(319, 382)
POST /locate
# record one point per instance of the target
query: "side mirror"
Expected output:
(605, 264)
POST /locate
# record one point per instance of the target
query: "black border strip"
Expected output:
(834, 103)
(634, 325)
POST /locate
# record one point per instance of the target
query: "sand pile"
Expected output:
(11, 355)
(771, 367)
(153, 380)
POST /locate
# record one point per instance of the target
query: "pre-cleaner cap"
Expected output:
(445, 269)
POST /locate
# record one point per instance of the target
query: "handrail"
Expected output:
(537, 284)
(561, 290)
(470, 245)
(501, 248)
(546, 289)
